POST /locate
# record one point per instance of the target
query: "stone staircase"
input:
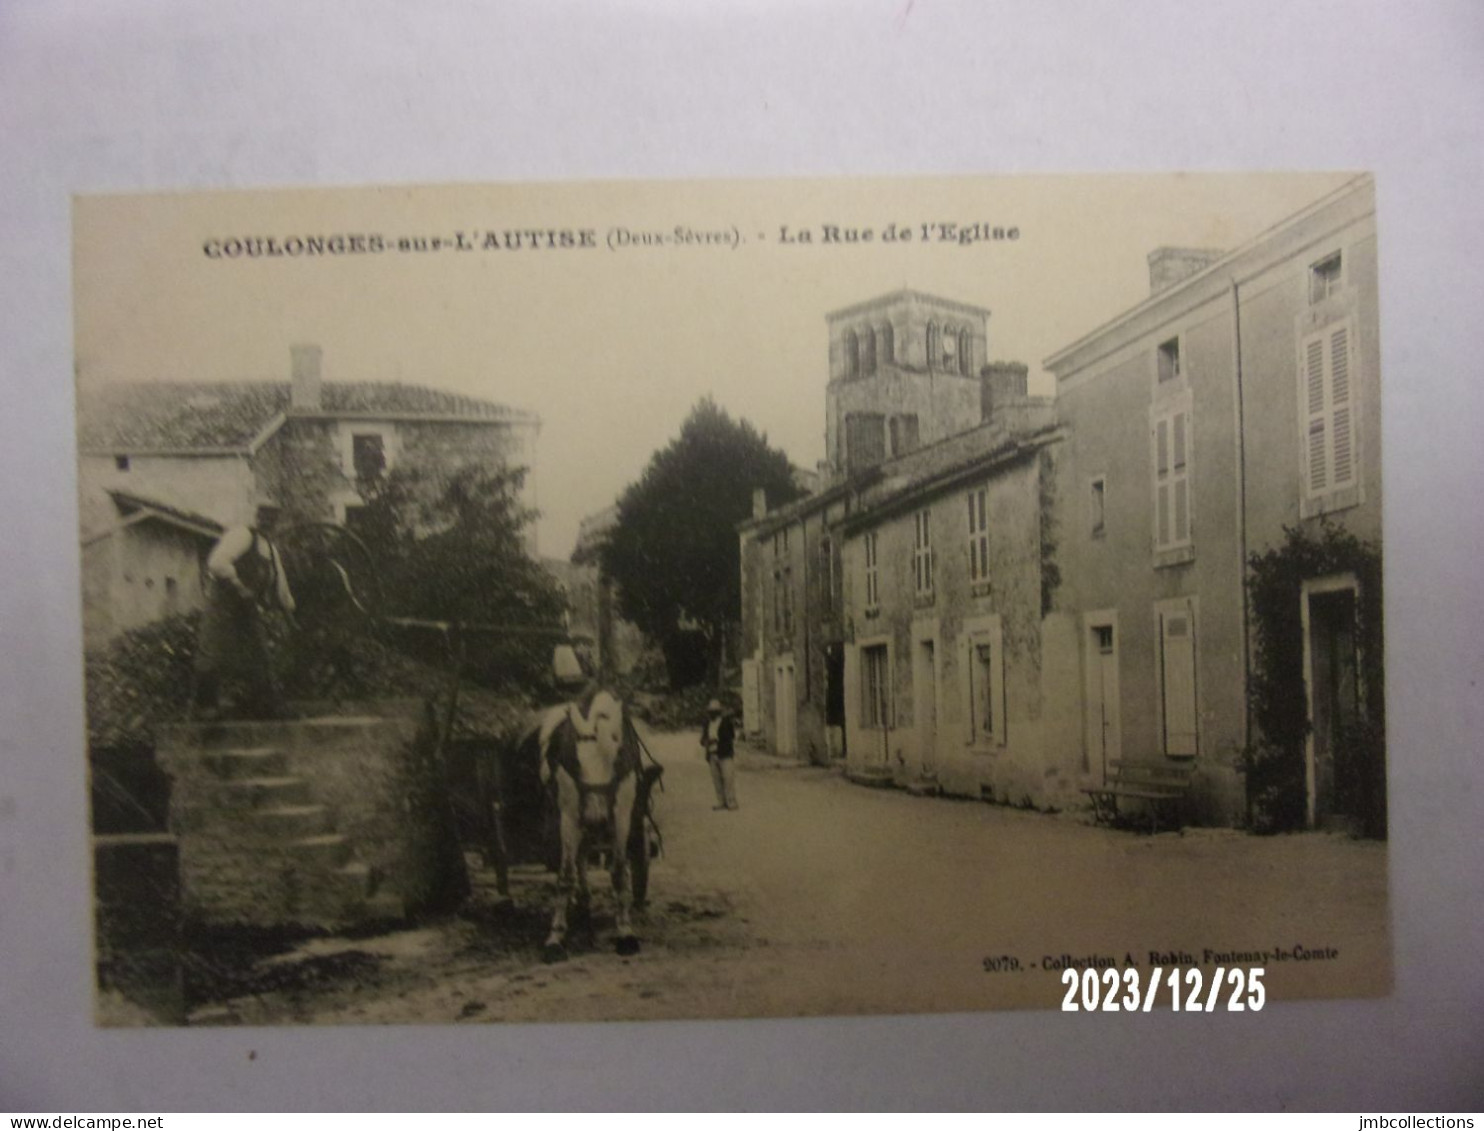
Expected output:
(318, 823)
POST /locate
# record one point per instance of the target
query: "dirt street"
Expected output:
(819, 896)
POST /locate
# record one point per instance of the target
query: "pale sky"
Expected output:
(612, 348)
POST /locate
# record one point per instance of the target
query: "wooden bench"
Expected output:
(1160, 785)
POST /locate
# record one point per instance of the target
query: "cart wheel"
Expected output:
(335, 569)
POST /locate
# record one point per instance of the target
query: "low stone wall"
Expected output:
(324, 821)
(136, 893)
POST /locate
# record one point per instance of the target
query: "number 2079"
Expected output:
(1114, 991)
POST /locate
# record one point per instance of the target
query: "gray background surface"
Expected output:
(99, 95)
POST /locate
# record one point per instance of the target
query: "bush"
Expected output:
(1276, 773)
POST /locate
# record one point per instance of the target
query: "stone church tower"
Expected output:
(904, 372)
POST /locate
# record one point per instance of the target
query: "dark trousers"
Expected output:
(232, 655)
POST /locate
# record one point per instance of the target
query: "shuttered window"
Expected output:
(865, 439)
(984, 681)
(922, 554)
(873, 585)
(1327, 395)
(978, 535)
(1172, 495)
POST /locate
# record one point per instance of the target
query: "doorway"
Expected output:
(925, 705)
(785, 708)
(1104, 732)
(1333, 773)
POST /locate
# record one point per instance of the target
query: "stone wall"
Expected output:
(323, 821)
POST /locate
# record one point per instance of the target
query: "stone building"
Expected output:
(948, 570)
(164, 467)
(1006, 602)
(592, 600)
(904, 372)
(1239, 399)
(907, 380)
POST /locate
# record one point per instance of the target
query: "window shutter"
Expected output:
(1318, 461)
(1181, 486)
(1329, 402)
(1162, 482)
(1339, 385)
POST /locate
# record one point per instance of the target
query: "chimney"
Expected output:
(999, 382)
(304, 393)
(1169, 265)
(759, 502)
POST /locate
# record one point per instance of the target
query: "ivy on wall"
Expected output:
(1050, 571)
(1276, 786)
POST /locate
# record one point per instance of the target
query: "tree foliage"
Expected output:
(673, 551)
(450, 546)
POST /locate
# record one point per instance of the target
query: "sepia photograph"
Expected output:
(652, 600)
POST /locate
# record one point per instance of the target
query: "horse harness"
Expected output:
(563, 756)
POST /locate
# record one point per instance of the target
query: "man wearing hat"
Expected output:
(718, 737)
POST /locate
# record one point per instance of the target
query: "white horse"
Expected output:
(592, 771)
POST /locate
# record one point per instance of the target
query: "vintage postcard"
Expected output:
(638, 600)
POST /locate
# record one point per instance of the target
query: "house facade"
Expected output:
(1177, 562)
(1236, 405)
(165, 467)
(951, 683)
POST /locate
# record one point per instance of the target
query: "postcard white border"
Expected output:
(166, 94)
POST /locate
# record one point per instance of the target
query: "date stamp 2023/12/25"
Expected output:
(1103, 984)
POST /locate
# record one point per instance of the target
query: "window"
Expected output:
(1169, 361)
(873, 589)
(1328, 410)
(1176, 626)
(888, 344)
(827, 569)
(1172, 499)
(984, 683)
(875, 687)
(368, 455)
(932, 345)
(979, 536)
(121, 463)
(1097, 508)
(865, 439)
(1325, 278)
(852, 354)
(922, 554)
(870, 351)
(950, 349)
(903, 434)
(981, 665)
(965, 352)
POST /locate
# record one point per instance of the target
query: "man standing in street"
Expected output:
(718, 737)
(243, 570)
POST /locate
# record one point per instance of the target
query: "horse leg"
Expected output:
(571, 837)
(623, 813)
(582, 907)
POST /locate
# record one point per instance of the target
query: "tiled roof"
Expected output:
(198, 416)
(131, 501)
